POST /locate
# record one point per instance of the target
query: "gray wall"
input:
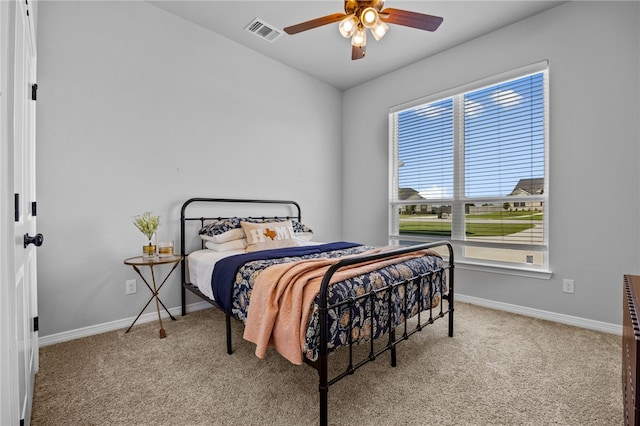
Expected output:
(139, 110)
(593, 49)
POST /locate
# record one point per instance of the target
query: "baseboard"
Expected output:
(114, 325)
(516, 309)
(545, 315)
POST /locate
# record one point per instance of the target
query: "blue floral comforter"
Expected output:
(364, 325)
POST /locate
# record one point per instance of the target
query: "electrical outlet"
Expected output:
(567, 286)
(130, 287)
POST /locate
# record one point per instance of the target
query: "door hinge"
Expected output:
(34, 208)
(34, 92)
(36, 326)
(16, 207)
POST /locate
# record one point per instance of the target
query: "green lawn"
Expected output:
(473, 229)
(507, 215)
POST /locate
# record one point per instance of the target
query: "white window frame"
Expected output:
(459, 200)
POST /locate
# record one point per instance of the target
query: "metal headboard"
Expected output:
(202, 201)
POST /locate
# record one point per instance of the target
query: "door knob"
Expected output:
(36, 240)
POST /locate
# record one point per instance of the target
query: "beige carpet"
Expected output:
(498, 369)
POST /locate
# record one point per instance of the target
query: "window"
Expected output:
(470, 166)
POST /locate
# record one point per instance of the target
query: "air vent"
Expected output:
(263, 30)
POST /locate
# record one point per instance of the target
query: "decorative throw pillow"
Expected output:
(261, 232)
(220, 226)
(300, 227)
(223, 230)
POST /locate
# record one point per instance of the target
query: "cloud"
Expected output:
(507, 98)
(472, 107)
(435, 192)
(432, 111)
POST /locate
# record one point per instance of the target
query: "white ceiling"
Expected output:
(323, 53)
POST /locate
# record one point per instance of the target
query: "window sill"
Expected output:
(521, 270)
(540, 274)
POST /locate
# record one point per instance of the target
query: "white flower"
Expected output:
(147, 223)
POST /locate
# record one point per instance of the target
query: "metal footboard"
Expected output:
(322, 364)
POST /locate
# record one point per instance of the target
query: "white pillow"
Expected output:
(230, 235)
(240, 244)
(274, 244)
(267, 231)
(304, 236)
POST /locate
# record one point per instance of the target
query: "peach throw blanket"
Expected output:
(282, 297)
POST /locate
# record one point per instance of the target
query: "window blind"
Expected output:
(426, 151)
(472, 167)
(503, 137)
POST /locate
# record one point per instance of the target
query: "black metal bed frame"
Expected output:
(322, 363)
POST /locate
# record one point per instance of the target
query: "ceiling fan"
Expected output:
(360, 15)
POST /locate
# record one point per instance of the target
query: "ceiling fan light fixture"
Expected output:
(369, 17)
(360, 15)
(359, 39)
(348, 26)
(379, 30)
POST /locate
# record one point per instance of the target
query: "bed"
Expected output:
(307, 299)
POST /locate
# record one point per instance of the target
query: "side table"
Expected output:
(136, 263)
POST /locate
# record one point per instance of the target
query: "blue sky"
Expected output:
(504, 140)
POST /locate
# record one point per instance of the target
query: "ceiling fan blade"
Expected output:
(318, 22)
(411, 19)
(358, 52)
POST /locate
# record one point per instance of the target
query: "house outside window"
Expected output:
(470, 166)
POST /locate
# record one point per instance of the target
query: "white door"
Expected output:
(19, 347)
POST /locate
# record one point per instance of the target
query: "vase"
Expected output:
(165, 248)
(150, 249)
